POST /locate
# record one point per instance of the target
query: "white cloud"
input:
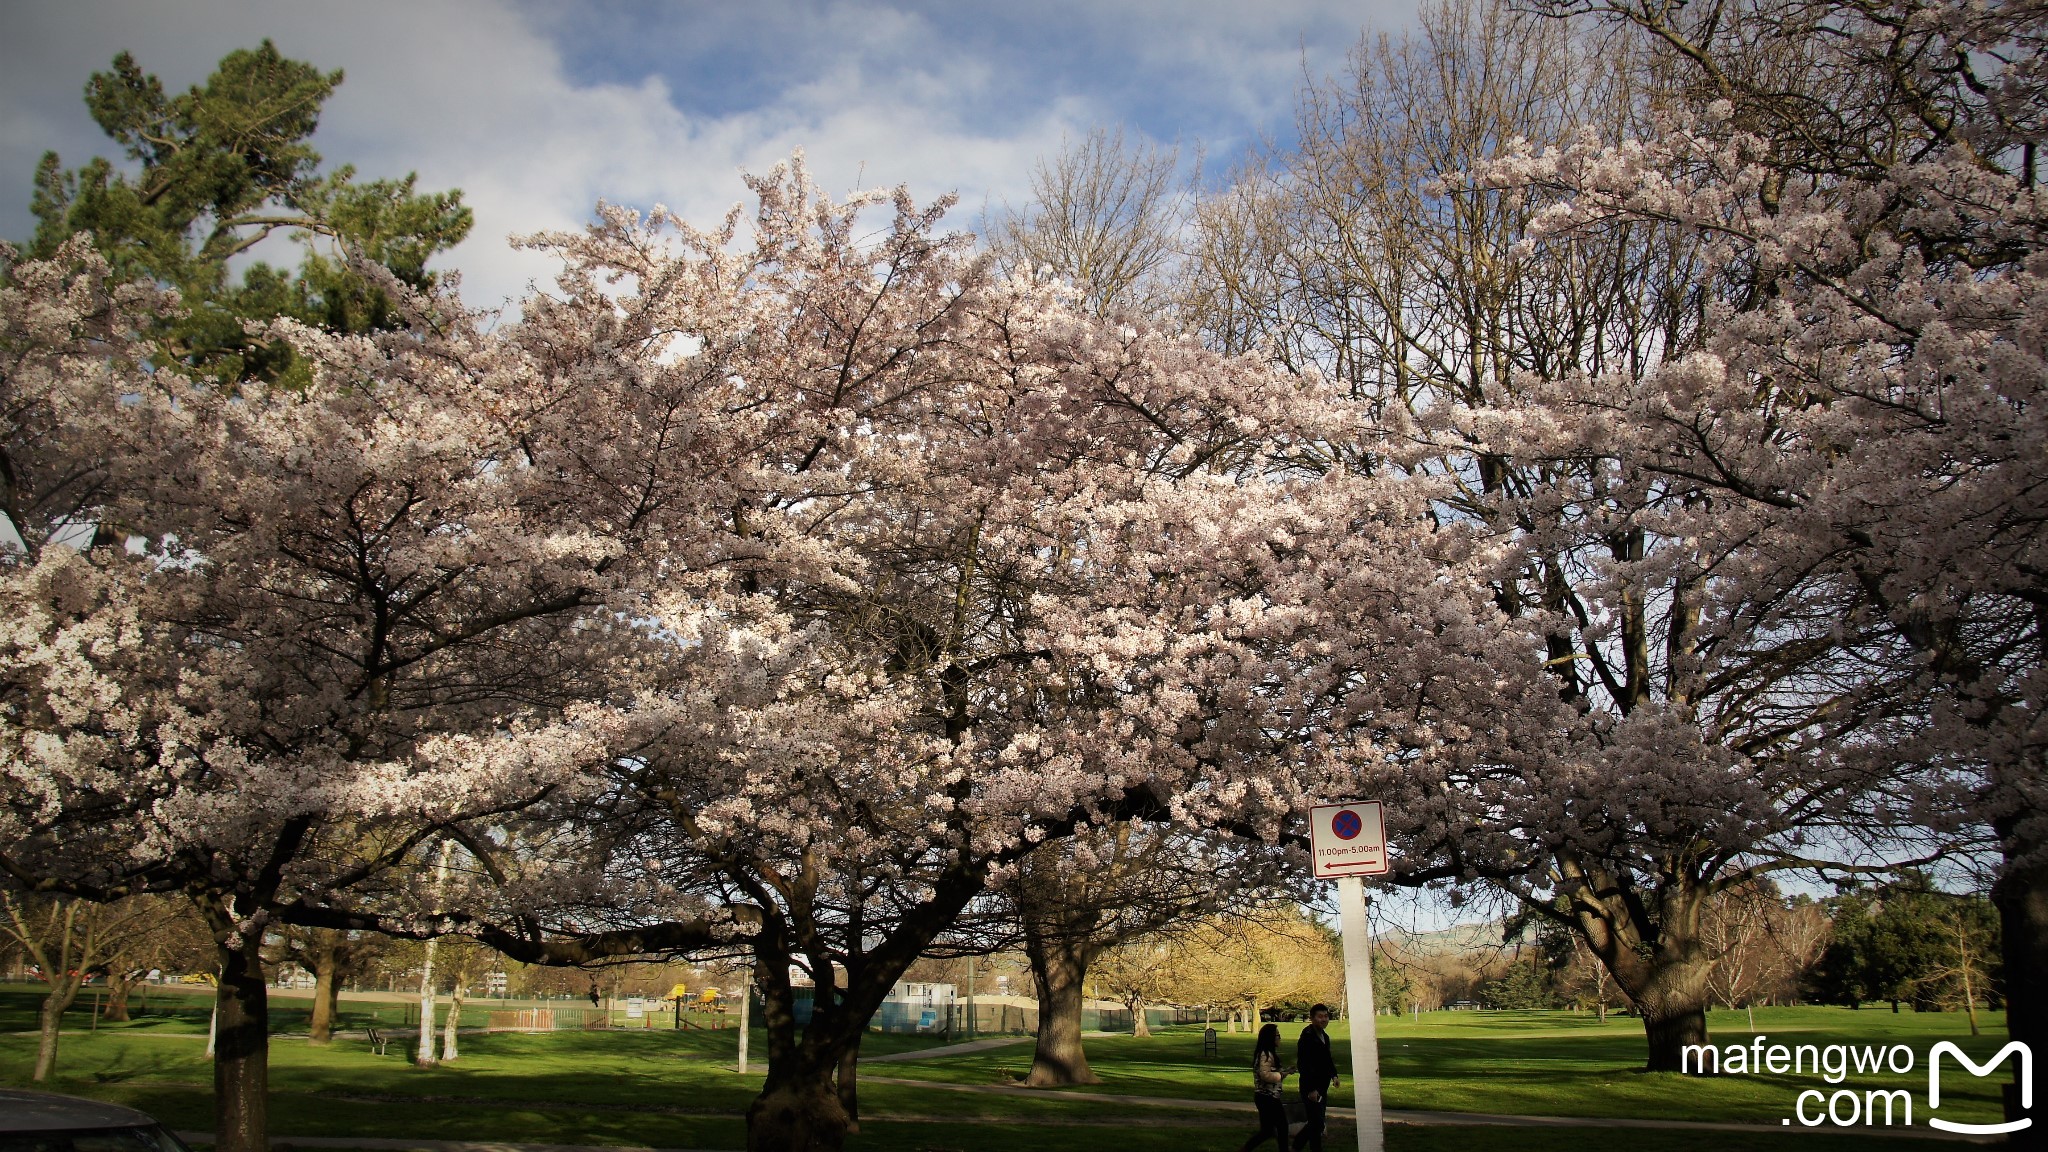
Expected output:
(495, 99)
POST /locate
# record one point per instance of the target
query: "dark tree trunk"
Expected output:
(797, 1114)
(848, 1081)
(1659, 961)
(334, 1001)
(2021, 896)
(118, 986)
(805, 1104)
(1673, 1001)
(1059, 966)
(241, 1062)
(1670, 1033)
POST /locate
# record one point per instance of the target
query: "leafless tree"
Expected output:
(1763, 943)
(69, 940)
(1105, 216)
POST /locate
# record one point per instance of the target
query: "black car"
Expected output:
(45, 1122)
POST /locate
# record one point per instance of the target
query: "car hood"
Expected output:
(45, 1111)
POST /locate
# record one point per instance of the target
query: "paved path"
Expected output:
(381, 1144)
(960, 1049)
(966, 1047)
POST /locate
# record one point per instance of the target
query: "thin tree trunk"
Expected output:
(1970, 1000)
(241, 1063)
(50, 1021)
(1060, 968)
(448, 1048)
(321, 1028)
(424, 1056)
(746, 994)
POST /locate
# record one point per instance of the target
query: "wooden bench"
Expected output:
(378, 1040)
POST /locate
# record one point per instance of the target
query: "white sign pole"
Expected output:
(746, 994)
(1365, 1040)
(1348, 841)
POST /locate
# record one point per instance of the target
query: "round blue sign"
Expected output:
(1347, 825)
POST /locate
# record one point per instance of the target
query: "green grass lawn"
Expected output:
(1533, 1063)
(679, 1089)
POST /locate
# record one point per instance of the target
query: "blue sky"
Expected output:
(536, 109)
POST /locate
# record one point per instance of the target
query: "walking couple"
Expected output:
(1318, 1070)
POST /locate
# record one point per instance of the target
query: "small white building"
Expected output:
(915, 1007)
(917, 995)
(290, 975)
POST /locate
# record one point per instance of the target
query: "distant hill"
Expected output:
(1456, 938)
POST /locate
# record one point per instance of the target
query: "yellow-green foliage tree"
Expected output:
(1138, 972)
(1239, 963)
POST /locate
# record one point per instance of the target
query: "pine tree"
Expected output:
(222, 167)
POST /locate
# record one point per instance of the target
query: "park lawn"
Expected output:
(678, 1089)
(668, 1088)
(1532, 1063)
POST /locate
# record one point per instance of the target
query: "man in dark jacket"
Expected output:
(1318, 1071)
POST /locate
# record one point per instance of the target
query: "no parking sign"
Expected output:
(1348, 839)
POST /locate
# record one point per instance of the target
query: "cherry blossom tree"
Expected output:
(1647, 699)
(911, 571)
(1867, 386)
(243, 627)
(776, 598)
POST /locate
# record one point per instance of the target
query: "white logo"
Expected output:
(1984, 1069)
